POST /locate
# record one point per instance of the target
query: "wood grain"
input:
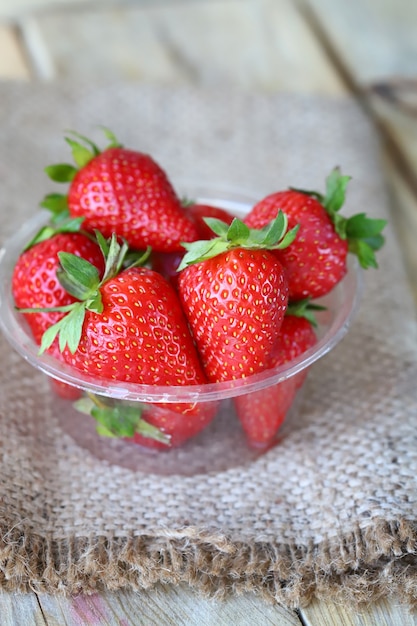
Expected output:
(382, 613)
(162, 606)
(20, 610)
(375, 38)
(263, 45)
(246, 43)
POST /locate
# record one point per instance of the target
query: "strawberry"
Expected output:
(178, 426)
(63, 390)
(261, 413)
(234, 293)
(317, 260)
(198, 212)
(35, 284)
(127, 327)
(167, 263)
(121, 191)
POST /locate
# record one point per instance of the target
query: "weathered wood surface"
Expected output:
(321, 46)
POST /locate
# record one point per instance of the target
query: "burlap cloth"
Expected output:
(332, 510)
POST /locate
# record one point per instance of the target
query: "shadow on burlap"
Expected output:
(331, 511)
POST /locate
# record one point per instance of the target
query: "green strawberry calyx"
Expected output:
(305, 308)
(83, 151)
(81, 279)
(119, 420)
(63, 225)
(274, 236)
(363, 233)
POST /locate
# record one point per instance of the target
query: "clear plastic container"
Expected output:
(200, 403)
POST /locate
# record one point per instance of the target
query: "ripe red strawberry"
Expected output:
(234, 293)
(262, 413)
(35, 284)
(124, 192)
(128, 327)
(179, 426)
(316, 261)
(167, 263)
(198, 213)
(139, 334)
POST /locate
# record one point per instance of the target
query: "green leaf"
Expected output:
(49, 336)
(63, 309)
(362, 227)
(103, 243)
(218, 227)
(71, 327)
(340, 225)
(68, 329)
(95, 150)
(114, 142)
(84, 405)
(275, 230)
(364, 252)
(137, 258)
(79, 277)
(120, 420)
(198, 251)
(238, 235)
(61, 172)
(288, 238)
(56, 203)
(64, 226)
(114, 257)
(336, 185)
(238, 232)
(305, 308)
(146, 429)
(45, 233)
(187, 202)
(80, 153)
(375, 242)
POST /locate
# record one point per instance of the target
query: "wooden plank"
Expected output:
(376, 38)
(12, 57)
(382, 613)
(404, 212)
(245, 43)
(20, 609)
(391, 103)
(162, 606)
(36, 49)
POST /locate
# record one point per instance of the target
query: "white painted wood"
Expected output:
(382, 613)
(246, 43)
(20, 610)
(162, 606)
(36, 49)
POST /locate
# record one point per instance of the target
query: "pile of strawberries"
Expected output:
(129, 283)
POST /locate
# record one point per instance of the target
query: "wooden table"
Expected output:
(365, 47)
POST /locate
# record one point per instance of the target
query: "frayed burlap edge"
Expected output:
(354, 568)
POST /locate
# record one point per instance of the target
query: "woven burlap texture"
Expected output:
(331, 511)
